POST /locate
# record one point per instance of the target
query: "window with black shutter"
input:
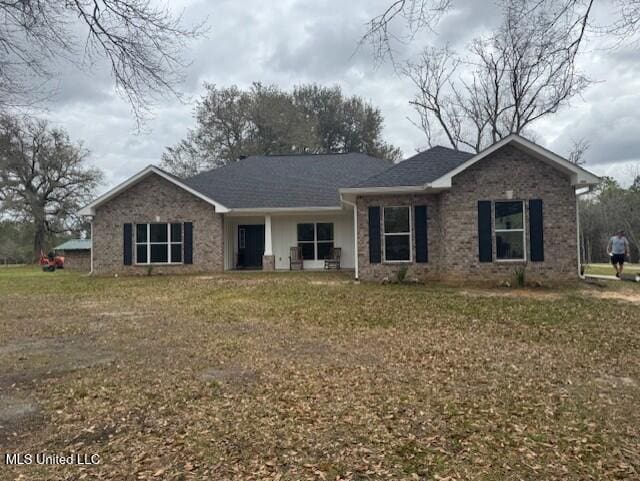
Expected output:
(188, 243)
(127, 244)
(484, 231)
(420, 216)
(536, 231)
(374, 235)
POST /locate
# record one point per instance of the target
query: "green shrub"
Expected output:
(402, 273)
(520, 276)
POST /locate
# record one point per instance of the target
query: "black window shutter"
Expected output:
(188, 243)
(420, 220)
(127, 253)
(536, 234)
(484, 231)
(374, 235)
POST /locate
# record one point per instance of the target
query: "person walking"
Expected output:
(618, 249)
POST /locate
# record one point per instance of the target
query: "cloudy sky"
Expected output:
(288, 42)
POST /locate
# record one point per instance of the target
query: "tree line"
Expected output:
(608, 209)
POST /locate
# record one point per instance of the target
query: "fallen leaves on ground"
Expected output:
(309, 376)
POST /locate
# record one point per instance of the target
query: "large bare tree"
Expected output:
(523, 71)
(140, 40)
(44, 177)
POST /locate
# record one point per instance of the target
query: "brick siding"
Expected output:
(155, 199)
(382, 270)
(453, 227)
(77, 260)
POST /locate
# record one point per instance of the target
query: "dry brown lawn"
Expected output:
(310, 376)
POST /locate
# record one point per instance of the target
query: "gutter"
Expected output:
(402, 189)
(281, 210)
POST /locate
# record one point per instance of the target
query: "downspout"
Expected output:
(580, 274)
(355, 239)
(91, 250)
(355, 234)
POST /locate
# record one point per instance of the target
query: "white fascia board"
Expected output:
(579, 176)
(131, 181)
(247, 211)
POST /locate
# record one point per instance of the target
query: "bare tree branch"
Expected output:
(411, 16)
(141, 42)
(524, 71)
(578, 150)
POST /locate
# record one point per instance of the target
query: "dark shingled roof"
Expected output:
(277, 181)
(420, 169)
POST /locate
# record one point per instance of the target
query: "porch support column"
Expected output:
(268, 259)
(355, 236)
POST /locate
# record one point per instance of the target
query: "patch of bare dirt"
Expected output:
(14, 407)
(18, 414)
(628, 296)
(513, 293)
(30, 360)
(235, 282)
(330, 283)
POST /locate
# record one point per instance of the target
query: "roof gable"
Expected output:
(434, 169)
(135, 179)
(579, 176)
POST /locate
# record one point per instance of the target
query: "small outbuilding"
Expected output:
(77, 254)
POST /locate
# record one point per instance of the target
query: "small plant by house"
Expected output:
(520, 275)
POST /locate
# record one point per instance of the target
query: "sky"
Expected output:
(290, 42)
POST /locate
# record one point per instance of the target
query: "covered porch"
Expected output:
(262, 240)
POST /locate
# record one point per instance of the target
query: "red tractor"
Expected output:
(51, 262)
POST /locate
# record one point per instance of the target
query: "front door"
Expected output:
(250, 246)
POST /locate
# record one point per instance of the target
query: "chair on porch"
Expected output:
(295, 259)
(333, 261)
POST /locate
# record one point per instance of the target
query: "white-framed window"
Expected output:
(159, 243)
(397, 234)
(315, 240)
(510, 230)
